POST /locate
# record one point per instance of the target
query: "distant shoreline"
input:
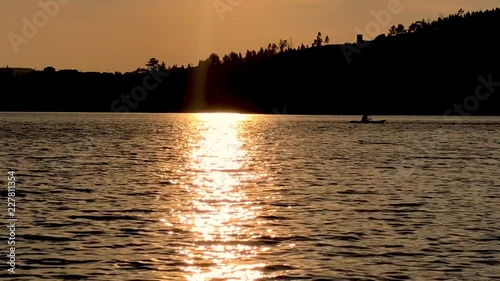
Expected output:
(250, 113)
(448, 67)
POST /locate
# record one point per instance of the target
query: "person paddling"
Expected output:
(366, 118)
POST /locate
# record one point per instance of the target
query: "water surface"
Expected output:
(253, 197)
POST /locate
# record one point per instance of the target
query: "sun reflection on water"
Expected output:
(220, 210)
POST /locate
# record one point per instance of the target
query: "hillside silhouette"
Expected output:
(429, 67)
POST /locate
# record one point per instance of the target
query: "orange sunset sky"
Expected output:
(121, 35)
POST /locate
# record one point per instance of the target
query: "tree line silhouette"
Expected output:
(422, 69)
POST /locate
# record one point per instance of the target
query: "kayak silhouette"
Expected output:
(366, 119)
(369, 122)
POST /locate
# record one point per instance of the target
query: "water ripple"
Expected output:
(184, 197)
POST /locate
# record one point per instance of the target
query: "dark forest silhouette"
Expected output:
(425, 68)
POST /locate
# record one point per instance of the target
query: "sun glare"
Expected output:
(219, 207)
(222, 118)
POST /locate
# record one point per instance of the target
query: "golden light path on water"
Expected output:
(220, 209)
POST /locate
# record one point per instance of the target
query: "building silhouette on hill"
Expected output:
(360, 40)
